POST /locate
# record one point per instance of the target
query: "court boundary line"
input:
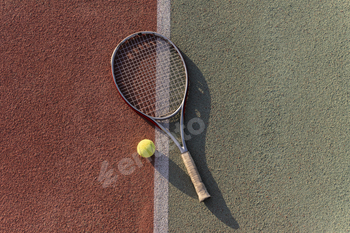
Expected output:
(161, 163)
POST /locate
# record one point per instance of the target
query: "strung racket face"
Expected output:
(150, 74)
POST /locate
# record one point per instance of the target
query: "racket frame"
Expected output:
(155, 120)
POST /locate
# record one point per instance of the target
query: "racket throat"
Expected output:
(183, 147)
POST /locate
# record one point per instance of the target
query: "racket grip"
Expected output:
(195, 177)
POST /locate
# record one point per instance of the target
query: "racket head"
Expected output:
(150, 74)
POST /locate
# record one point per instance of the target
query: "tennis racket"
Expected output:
(151, 76)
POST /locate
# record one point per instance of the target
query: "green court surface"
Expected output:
(270, 81)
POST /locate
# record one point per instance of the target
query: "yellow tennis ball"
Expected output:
(146, 148)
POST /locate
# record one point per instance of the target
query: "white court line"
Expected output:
(163, 17)
(161, 163)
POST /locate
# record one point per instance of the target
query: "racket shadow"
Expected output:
(177, 174)
(216, 204)
(198, 106)
(199, 101)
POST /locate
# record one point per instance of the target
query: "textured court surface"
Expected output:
(267, 118)
(270, 79)
(67, 138)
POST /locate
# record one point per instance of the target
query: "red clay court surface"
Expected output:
(61, 119)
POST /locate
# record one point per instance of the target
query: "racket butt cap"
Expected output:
(203, 196)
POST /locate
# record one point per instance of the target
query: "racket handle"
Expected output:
(195, 177)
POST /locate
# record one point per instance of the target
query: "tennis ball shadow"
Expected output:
(198, 106)
(179, 174)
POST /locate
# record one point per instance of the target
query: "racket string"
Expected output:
(151, 76)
